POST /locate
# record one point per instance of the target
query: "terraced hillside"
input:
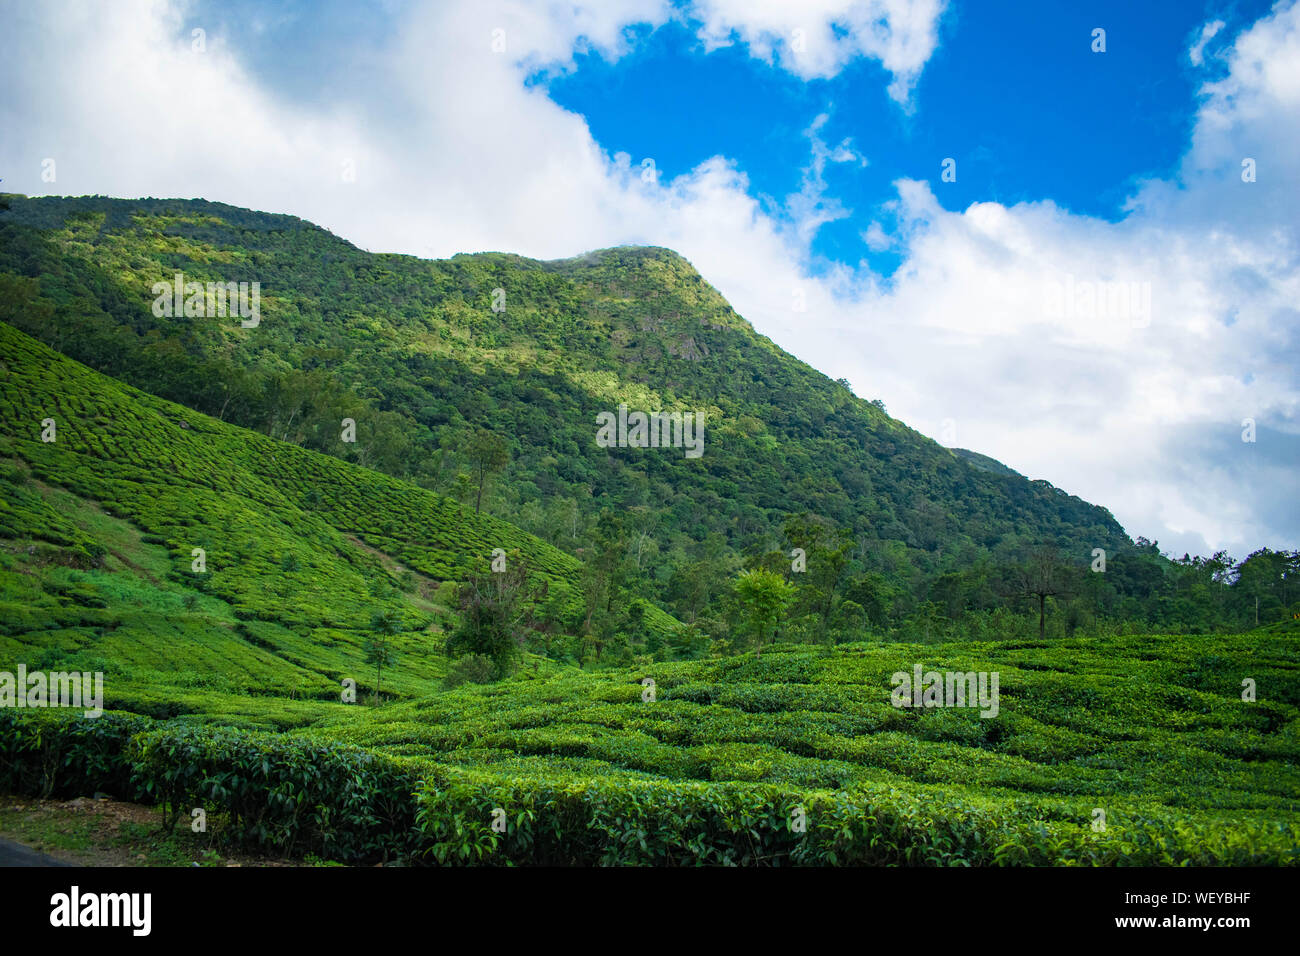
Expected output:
(99, 526)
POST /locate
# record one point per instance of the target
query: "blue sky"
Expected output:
(797, 150)
(1014, 93)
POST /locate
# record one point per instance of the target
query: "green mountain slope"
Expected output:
(985, 463)
(98, 529)
(414, 351)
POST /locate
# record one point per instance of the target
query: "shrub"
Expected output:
(283, 794)
(470, 669)
(48, 753)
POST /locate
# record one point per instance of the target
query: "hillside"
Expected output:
(414, 351)
(98, 529)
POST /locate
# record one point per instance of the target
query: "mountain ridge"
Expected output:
(416, 353)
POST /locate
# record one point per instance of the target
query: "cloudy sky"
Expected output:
(1074, 251)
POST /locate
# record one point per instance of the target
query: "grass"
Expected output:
(110, 833)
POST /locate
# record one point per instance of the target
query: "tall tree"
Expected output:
(494, 616)
(1044, 574)
(489, 454)
(764, 597)
(826, 556)
(378, 646)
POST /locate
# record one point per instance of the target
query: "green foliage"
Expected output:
(98, 531)
(493, 616)
(489, 454)
(470, 669)
(281, 793)
(378, 645)
(764, 597)
(49, 753)
(1152, 730)
(324, 558)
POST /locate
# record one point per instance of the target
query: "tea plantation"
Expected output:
(223, 687)
(99, 529)
(1135, 750)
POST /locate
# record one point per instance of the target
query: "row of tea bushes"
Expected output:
(286, 533)
(297, 795)
(573, 820)
(279, 794)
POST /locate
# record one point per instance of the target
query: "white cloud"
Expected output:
(1208, 32)
(818, 38)
(876, 239)
(1145, 418)
(453, 152)
(811, 208)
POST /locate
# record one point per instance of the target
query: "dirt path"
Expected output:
(87, 832)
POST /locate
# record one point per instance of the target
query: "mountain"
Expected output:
(985, 463)
(423, 353)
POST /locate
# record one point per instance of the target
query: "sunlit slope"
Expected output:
(98, 529)
(421, 351)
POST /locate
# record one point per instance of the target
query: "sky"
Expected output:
(1074, 251)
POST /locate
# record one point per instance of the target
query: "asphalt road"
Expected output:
(15, 854)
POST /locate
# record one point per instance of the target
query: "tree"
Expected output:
(604, 583)
(826, 554)
(927, 617)
(873, 593)
(493, 616)
(489, 454)
(378, 646)
(556, 611)
(1266, 580)
(463, 488)
(764, 596)
(1042, 576)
